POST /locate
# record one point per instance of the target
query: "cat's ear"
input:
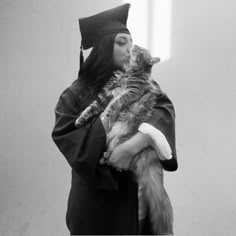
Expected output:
(155, 60)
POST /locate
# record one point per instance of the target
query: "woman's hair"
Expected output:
(98, 67)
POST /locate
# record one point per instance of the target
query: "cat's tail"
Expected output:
(159, 205)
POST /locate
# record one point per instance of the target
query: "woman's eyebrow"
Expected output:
(121, 37)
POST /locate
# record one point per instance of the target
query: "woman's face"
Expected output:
(121, 50)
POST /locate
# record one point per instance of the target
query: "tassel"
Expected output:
(81, 55)
(81, 61)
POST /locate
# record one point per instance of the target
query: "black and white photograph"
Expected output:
(117, 117)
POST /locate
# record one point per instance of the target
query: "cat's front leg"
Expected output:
(108, 113)
(82, 119)
(113, 109)
(94, 109)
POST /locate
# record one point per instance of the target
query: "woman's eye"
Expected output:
(120, 42)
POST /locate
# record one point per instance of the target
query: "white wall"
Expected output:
(39, 57)
(200, 79)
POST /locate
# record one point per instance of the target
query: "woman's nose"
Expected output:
(129, 47)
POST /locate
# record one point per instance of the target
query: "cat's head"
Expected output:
(141, 59)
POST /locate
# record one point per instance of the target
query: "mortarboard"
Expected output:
(94, 27)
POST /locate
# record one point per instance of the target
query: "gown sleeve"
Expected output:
(163, 119)
(82, 147)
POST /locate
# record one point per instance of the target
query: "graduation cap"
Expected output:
(94, 27)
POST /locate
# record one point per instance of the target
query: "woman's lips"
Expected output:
(128, 59)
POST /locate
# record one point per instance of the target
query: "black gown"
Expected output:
(102, 200)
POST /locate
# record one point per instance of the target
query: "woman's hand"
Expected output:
(123, 154)
(121, 157)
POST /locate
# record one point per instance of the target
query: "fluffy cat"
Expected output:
(128, 100)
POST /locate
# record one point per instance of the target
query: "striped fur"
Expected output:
(129, 98)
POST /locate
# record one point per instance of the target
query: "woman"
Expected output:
(103, 199)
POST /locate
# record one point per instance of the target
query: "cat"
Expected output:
(128, 100)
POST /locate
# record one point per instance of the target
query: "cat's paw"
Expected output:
(105, 158)
(80, 122)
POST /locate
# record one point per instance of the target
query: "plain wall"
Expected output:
(200, 79)
(39, 58)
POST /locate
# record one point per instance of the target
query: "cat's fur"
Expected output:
(127, 100)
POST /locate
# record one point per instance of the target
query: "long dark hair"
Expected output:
(97, 68)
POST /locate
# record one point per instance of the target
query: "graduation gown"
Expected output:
(101, 200)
